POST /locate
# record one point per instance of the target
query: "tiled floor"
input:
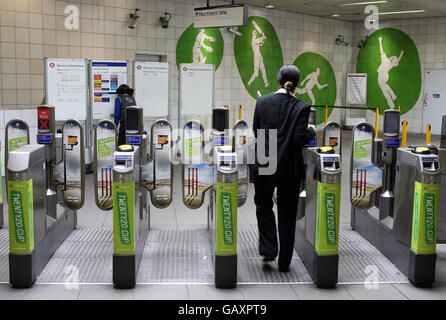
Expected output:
(178, 217)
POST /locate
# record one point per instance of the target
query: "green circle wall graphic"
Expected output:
(258, 56)
(317, 85)
(200, 46)
(390, 59)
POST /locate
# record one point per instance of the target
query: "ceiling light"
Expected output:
(270, 6)
(400, 12)
(361, 3)
(335, 15)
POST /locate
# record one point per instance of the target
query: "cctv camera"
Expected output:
(362, 43)
(232, 30)
(165, 20)
(134, 19)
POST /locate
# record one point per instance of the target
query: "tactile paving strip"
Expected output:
(185, 256)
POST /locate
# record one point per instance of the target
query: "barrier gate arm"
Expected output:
(69, 175)
(241, 145)
(105, 143)
(155, 176)
(193, 166)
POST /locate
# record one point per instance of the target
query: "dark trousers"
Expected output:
(287, 200)
(121, 135)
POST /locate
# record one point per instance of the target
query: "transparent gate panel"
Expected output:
(157, 175)
(197, 175)
(332, 136)
(74, 161)
(366, 178)
(16, 136)
(105, 145)
(241, 132)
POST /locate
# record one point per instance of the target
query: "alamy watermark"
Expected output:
(372, 277)
(372, 20)
(72, 277)
(72, 19)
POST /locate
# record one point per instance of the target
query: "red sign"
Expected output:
(185, 69)
(43, 113)
(52, 65)
(138, 67)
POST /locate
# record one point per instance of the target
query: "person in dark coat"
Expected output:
(122, 101)
(288, 115)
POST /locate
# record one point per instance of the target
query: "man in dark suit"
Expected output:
(286, 114)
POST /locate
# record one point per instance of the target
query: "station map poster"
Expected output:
(66, 86)
(106, 77)
(151, 84)
(196, 94)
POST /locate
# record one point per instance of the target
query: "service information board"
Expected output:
(66, 87)
(196, 92)
(356, 89)
(105, 78)
(151, 84)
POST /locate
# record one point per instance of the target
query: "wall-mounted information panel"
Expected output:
(105, 78)
(66, 87)
(196, 89)
(151, 84)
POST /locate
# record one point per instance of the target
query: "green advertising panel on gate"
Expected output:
(425, 218)
(327, 220)
(226, 228)
(21, 224)
(123, 218)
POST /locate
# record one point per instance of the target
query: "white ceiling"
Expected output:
(325, 8)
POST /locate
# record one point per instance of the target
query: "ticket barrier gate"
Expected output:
(317, 232)
(400, 222)
(227, 182)
(332, 137)
(43, 195)
(123, 180)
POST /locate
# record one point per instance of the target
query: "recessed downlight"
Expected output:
(402, 12)
(270, 6)
(362, 3)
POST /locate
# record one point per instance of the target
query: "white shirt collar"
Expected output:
(281, 90)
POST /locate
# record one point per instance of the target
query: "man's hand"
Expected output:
(312, 130)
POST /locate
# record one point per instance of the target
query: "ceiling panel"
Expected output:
(326, 8)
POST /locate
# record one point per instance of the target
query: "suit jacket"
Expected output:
(289, 116)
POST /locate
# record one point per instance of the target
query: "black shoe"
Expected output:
(267, 267)
(268, 258)
(284, 269)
